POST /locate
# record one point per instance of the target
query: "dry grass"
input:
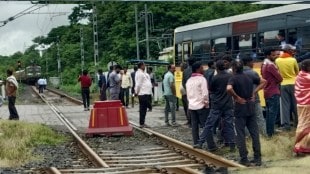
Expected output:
(278, 156)
(17, 140)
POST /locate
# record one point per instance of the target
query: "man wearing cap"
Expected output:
(288, 68)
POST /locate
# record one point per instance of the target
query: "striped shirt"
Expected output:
(197, 92)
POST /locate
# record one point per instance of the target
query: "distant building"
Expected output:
(166, 54)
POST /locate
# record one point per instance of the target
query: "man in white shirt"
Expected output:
(143, 90)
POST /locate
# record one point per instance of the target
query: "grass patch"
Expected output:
(18, 139)
(277, 156)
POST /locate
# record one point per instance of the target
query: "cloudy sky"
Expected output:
(17, 35)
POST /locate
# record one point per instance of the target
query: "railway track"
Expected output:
(163, 155)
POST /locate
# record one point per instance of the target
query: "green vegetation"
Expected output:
(17, 140)
(116, 34)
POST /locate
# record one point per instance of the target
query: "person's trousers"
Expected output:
(251, 123)
(185, 107)
(198, 117)
(124, 94)
(288, 105)
(149, 102)
(272, 110)
(143, 102)
(170, 106)
(103, 94)
(228, 128)
(12, 109)
(261, 122)
(41, 87)
(85, 97)
(133, 96)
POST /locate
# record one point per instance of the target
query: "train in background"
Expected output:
(29, 75)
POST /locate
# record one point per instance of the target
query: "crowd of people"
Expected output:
(223, 100)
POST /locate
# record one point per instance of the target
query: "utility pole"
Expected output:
(137, 32)
(95, 35)
(58, 59)
(147, 33)
(82, 49)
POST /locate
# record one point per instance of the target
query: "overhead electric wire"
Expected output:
(20, 14)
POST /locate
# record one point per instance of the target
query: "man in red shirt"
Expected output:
(272, 75)
(85, 81)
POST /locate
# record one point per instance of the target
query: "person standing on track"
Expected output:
(85, 81)
(102, 84)
(198, 99)
(115, 83)
(170, 95)
(11, 87)
(125, 86)
(240, 87)
(143, 90)
(221, 104)
(133, 75)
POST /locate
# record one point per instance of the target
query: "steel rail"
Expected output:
(205, 156)
(94, 157)
(74, 100)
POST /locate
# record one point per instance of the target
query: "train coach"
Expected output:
(29, 75)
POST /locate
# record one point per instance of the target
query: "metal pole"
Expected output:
(95, 35)
(82, 48)
(147, 33)
(58, 57)
(137, 32)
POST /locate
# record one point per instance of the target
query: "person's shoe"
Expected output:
(167, 124)
(144, 126)
(256, 162)
(174, 124)
(245, 162)
(85, 109)
(197, 146)
(213, 149)
(150, 110)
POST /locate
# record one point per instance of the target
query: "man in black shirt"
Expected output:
(221, 106)
(248, 70)
(133, 75)
(240, 86)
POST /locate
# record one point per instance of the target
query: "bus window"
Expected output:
(271, 39)
(201, 49)
(187, 50)
(219, 45)
(244, 43)
(178, 54)
(292, 36)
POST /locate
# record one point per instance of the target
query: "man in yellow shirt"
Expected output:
(288, 68)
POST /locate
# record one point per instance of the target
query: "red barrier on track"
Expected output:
(108, 118)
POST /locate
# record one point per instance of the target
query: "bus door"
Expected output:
(186, 50)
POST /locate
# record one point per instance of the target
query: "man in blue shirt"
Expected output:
(170, 95)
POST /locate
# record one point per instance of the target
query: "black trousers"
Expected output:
(198, 117)
(85, 97)
(124, 94)
(12, 109)
(41, 87)
(103, 94)
(185, 107)
(143, 102)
